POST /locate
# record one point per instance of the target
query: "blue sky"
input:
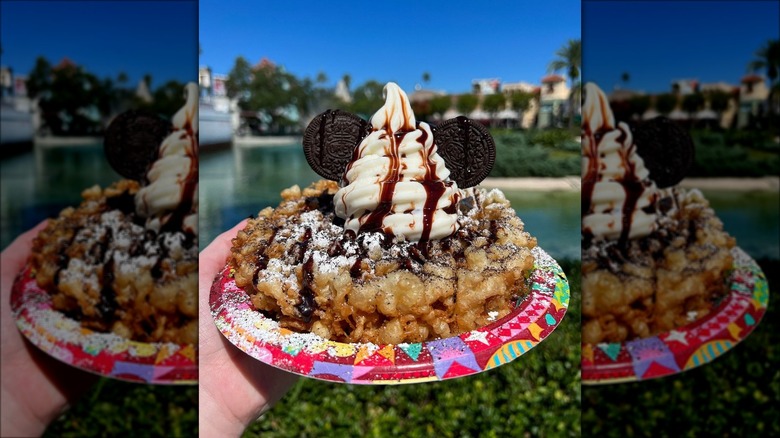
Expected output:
(391, 41)
(137, 37)
(655, 42)
(660, 41)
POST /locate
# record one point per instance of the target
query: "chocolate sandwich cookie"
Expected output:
(468, 149)
(666, 149)
(329, 141)
(132, 141)
(466, 146)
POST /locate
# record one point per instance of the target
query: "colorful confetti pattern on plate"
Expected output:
(105, 354)
(693, 345)
(309, 355)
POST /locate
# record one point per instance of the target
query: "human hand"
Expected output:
(234, 388)
(36, 388)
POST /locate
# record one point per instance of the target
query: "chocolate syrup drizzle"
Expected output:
(434, 187)
(184, 208)
(632, 185)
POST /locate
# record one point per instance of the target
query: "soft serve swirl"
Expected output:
(618, 198)
(396, 182)
(170, 200)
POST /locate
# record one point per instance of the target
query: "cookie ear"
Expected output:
(666, 149)
(330, 140)
(132, 141)
(468, 150)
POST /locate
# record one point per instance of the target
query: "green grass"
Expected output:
(116, 408)
(535, 395)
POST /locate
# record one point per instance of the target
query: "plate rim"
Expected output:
(544, 264)
(743, 263)
(30, 302)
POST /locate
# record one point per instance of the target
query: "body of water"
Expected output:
(38, 184)
(238, 182)
(752, 217)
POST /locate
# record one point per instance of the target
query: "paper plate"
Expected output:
(105, 354)
(693, 345)
(309, 355)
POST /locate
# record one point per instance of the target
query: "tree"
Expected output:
(719, 100)
(569, 58)
(521, 100)
(768, 58)
(492, 103)
(167, 99)
(321, 77)
(367, 98)
(466, 103)
(426, 77)
(440, 105)
(692, 102)
(422, 109)
(639, 104)
(121, 78)
(238, 81)
(347, 80)
(274, 92)
(665, 103)
(40, 77)
(625, 77)
(72, 101)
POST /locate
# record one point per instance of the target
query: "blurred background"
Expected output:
(265, 72)
(712, 67)
(67, 69)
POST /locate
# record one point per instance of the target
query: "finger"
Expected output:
(214, 256)
(16, 254)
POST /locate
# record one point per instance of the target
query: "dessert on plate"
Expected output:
(126, 259)
(654, 255)
(390, 248)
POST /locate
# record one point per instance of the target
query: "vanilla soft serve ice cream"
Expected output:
(618, 198)
(170, 200)
(396, 182)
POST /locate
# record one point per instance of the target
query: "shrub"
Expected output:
(517, 156)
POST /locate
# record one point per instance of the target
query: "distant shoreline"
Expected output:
(567, 183)
(574, 184)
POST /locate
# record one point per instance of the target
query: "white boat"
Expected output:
(215, 125)
(16, 127)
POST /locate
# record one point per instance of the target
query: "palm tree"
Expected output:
(768, 58)
(426, 77)
(347, 80)
(569, 58)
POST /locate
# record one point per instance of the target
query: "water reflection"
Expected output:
(38, 184)
(753, 218)
(239, 183)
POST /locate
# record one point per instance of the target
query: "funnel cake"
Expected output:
(654, 258)
(396, 252)
(126, 259)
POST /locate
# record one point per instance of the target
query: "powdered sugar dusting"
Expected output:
(65, 339)
(310, 355)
